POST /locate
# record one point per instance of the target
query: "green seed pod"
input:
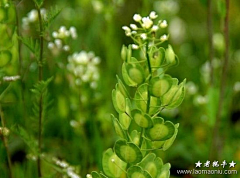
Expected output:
(128, 152)
(124, 53)
(112, 165)
(141, 119)
(174, 97)
(151, 164)
(137, 172)
(159, 86)
(170, 55)
(161, 130)
(119, 101)
(135, 73)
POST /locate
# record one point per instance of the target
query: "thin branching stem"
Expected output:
(40, 76)
(210, 41)
(5, 143)
(216, 145)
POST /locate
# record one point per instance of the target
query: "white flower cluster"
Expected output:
(60, 36)
(146, 29)
(69, 169)
(4, 131)
(32, 17)
(84, 66)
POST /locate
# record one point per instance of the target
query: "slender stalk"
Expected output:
(150, 72)
(40, 76)
(210, 40)
(149, 96)
(216, 139)
(5, 143)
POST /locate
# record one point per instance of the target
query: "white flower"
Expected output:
(73, 32)
(153, 15)
(133, 26)
(126, 29)
(134, 46)
(163, 24)
(96, 60)
(62, 29)
(164, 37)
(155, 28)
(137, 17)
(93, 85)
(66, 48)
(58, 43)
(143, 36)
(33, 15)
(55, 34)
(147, 22)
(50, 45)
(134, 32)
(88, 176)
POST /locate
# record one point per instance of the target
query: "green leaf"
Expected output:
(119, 101)
(165, 171)
(3, 14)
(135, 137)
(137, 172)
(128, 152)
(121, 87)
(38, 3)
(159, 86)
(95, 175)
(112, 165)
(168, 143)
(51, 15)
(141, 99)
(157, 57)
(174, 97)
(161, 130)
(118, 128)
(125, 120)
(126, 77)
(170, 56)
(32, 45)
(5, 57)
(151, 164)
(212, 107)
(141, 119)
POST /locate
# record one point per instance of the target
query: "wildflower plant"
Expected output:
(139, 126)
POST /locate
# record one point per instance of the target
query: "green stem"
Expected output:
(216, 138)
(210, 40)
(40, 76)
(150, 72)
(5, 143)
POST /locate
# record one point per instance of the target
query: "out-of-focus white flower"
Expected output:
(58, 43)
(97, 6)
(146, 22)
(163, 24)
(143, 36)
(164, 37)
(66, 48)
(191, 88)
(88, 176)
(134, 46)
(200, 100)
(33, 15)
(137, 17)
(134, 26)
(50, 45)
(236, 87)
(153, 15)
(73, 32)
(84, 66)
(155, 28)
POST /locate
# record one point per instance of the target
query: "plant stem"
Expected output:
(210, 40)
(40, 76)
(215, 141)
(5, 143)
(150, 72)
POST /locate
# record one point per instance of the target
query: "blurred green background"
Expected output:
(78, 127)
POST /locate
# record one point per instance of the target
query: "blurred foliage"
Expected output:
(77, 127)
